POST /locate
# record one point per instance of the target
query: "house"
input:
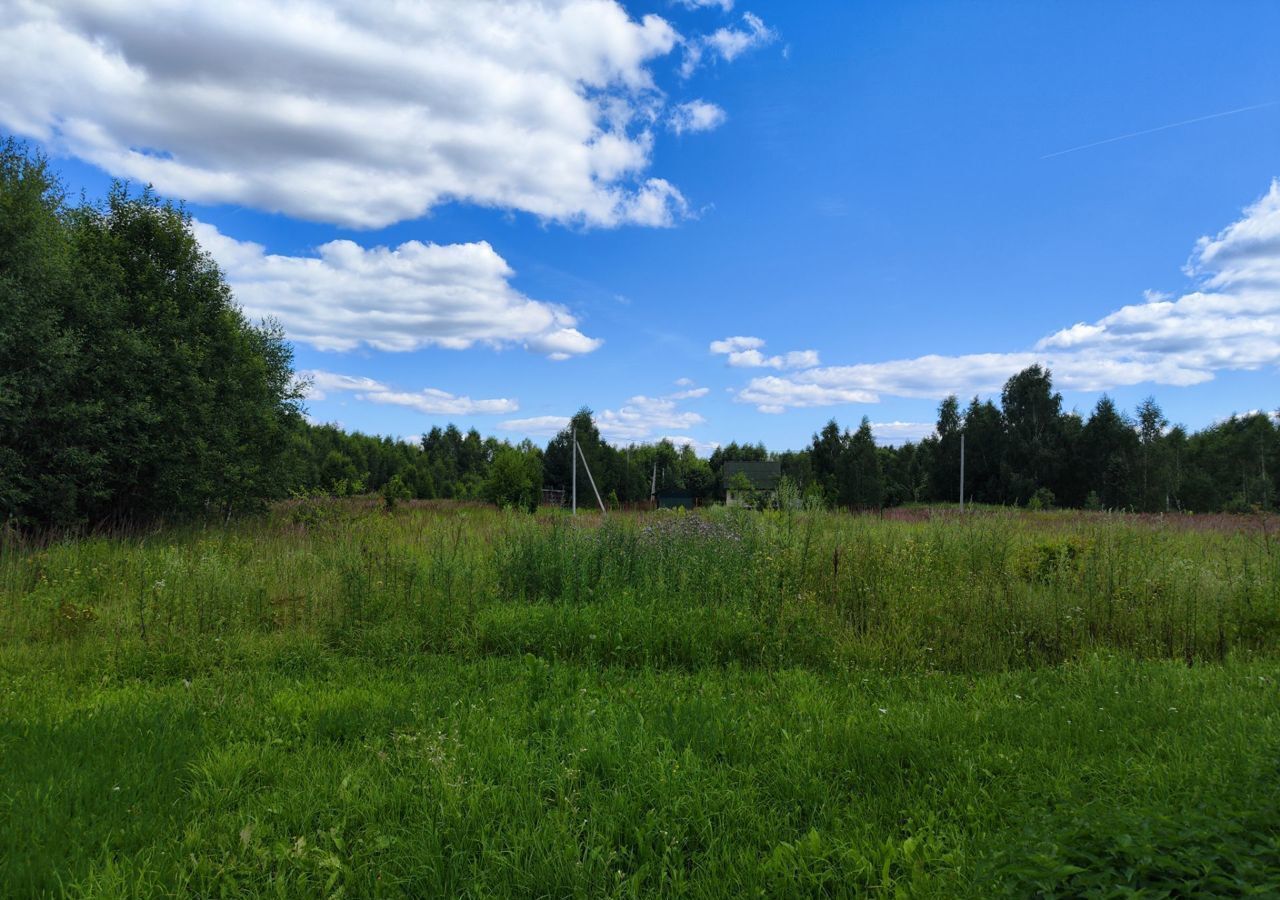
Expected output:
(763, 478)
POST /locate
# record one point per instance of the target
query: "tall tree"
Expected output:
(1032, 413)
(1153, 460)
(1108, 450)
(861, 480)
(945, 477)
(155, 397)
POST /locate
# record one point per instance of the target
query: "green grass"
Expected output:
(463, 702)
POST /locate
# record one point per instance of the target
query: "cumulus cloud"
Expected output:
(726, 44)
(429, 401)
(744, 352)
(1229, 321)
(641, 418)
(402, 298)
(355, 113)
(695, 116)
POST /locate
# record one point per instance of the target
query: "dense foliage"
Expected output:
(131, 386)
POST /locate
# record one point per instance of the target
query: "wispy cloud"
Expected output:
(429, 401)
(726, 44)
(641, 418)
(1134, 134)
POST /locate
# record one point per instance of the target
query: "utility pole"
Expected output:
(573, 452)
(962, 471)
(592, 479)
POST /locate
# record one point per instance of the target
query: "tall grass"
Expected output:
(974, 594)
(456, 701)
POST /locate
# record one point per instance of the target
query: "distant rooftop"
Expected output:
(762, 475)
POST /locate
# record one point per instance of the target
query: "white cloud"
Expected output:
(695, 116)
(641, 418)
(725, 5)
(727, 43)
(415, 295)
(429, 401)
(900, 432)
(701, 448)
(731, 43)
(355, 113)
(545, 426)
(319, 384)
(1230, 321)
(744, 352)
(735, 344)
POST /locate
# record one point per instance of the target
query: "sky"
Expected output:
(710, 220)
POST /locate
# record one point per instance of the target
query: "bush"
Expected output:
(395, 491)
(1042, 499)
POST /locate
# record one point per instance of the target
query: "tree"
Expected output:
(1108, 450)
(861, 479)
(395, 491)
(1035, 452)
(984, 449)
(945, 474)
(1153, 486)
(515, 478)
(825, 452)
(148, 393)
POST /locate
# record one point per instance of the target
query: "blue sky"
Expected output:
(862, 206)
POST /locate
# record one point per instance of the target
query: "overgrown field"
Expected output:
(456, 701)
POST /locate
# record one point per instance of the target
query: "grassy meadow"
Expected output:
(336, 700)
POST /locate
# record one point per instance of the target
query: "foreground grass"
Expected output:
(445, 703)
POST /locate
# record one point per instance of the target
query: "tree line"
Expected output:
(132, 388)
(1025, 451)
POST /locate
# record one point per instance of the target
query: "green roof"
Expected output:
(762, 475)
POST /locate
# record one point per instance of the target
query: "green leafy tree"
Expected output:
(515, 478)
(1108, 453)
(861, 480)
(1035, 452)
(395, 491)
(149, 394)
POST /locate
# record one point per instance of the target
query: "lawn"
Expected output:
(444, 700)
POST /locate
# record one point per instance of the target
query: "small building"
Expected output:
(552, 497)
(762, 476)
(676, 498)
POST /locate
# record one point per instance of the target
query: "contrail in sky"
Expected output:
(1133, 134)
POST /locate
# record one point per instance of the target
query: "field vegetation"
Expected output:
(444, 699)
